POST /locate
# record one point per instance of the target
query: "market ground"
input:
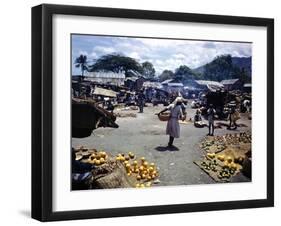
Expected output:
(145, 136)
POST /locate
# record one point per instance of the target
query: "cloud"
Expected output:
(179, 56)
(209, 45)
(162, 53)
(100, 50)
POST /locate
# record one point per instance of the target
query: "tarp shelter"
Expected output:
(105, 92)
(210, 85)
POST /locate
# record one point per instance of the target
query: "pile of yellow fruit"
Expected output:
(141, 169)
(122, 157)
(221, 158)
(98, 158)
(228, 166)
(143, 185)
(228, 161)
(211, 155)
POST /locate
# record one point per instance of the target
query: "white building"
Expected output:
(106, 77)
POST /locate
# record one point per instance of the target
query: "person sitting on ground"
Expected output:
(198, 119)
(110, 106)
(80, 167)
(81, 173)
(197, 116)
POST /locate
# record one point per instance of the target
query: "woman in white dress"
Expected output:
(173, 127)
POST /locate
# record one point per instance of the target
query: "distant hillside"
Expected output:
(227, 67)
(243, 62)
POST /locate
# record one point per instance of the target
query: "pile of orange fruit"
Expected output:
(141, 169)
(98, 158)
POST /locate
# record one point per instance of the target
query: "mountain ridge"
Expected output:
(226, 67)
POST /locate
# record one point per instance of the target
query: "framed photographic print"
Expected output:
(145, 112)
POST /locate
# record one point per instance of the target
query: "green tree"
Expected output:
(81, 62)
(148, 69)
(220, 68)
(166, 74)
(116, 63)
(184, 73)
(243, 76)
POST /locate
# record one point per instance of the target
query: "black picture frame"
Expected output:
(42, 111)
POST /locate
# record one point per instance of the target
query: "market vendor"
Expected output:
(80, 167)
(233, 117)
(141, 101)
(81, 173)
(211, 116)
(197, 118)
(173, 127)
(110, 106)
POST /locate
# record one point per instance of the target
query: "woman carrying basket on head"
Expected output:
(173, 127)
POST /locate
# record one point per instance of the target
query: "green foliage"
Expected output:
(148, 69)
(243, 76)
(81, 62)
(116, 63)
(222, 68)
(166, 74)
(184, 73)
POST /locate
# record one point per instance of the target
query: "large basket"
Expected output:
(164, 116)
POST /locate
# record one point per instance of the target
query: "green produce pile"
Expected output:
(224, 155)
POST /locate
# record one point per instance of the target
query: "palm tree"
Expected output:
(81, 62)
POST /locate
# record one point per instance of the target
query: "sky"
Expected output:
(162, 53)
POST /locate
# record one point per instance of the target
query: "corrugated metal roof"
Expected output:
(135, 73)
(167, 81)
(248, 85)
(106, 75)
(175, 84)
(152, 84)
(229, 81)
(208, 83)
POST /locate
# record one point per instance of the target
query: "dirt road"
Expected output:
(145, 136)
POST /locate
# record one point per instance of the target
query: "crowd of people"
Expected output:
(176, 105)
(177, 111)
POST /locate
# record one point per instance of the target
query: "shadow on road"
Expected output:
(166, 148)
(220, 125)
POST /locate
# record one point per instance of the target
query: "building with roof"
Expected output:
(149, 84)
(247, 87)
(165, 82)
(173, 87)
(106, 77)
(208, 85)
(134, 83)
(232, 84)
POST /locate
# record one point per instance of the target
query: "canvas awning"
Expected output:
(104, 92)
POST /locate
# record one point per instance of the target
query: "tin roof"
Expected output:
(208, 83)
(175, 84)
(229, 81)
